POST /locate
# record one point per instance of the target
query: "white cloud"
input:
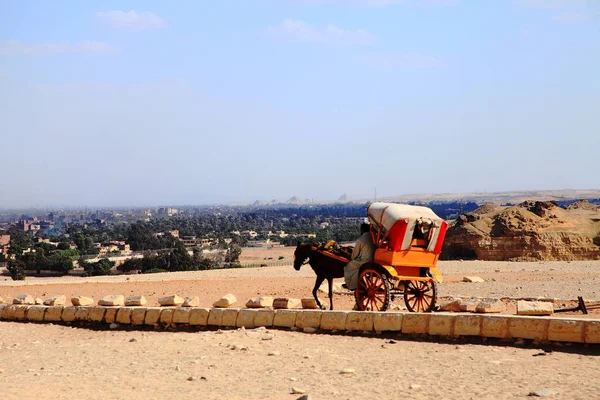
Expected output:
(130, 20)
(301, 32)
(17, 47)
(551, 3)
(402, 61)
(572, 17)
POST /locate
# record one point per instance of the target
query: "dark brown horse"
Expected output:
(325, 267)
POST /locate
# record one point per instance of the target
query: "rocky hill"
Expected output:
(532, 230)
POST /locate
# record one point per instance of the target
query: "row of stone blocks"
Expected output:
(446, 324)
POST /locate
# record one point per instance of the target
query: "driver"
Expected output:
(363, 252)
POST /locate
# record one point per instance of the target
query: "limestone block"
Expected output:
(283, 318)
(2, 306)
(490, 306)
(230, 316)
(286, 303)
(82, 313)
(112, 300)
(566, 330)
(245, 318)
(199, 316)
(494, 326)
(452, 305)
(334, 320)
(592, 331)
(38, 301)
(96, 314)
(68, 314)
(138, 316)
(442, 324)
(9, 312)
(264, 317)
(309, 303)
(473, 279)
(387, 321)
(215, 317)
(36, 313)
(528, 328)
(226, 301)
(133, 301)
(2, 300)
(124, 315)
(152, 316)
(110, 315)
(58, 300)
(468, 305)
(260, 302)
(170, 301)
(24, 299)
(181, 315)
(21, 312)
(308, 319)
(166, 316)
(53, 313)
(359, 321)
(193, 301)
(534, 308)
(467, 325)
(82, 301)
(415, 323)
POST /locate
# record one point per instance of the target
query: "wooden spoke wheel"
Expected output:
(419, 296)
(374, 290)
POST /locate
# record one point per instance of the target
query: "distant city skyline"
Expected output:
(144, 103)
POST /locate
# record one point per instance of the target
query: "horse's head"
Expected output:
(301, 255)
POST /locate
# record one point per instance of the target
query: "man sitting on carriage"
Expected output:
(363, 252)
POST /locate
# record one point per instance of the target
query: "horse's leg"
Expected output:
(330, 283)
(320, 279)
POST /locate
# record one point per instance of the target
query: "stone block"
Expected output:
(58, 300)
(592, 331)
(534, 308)
(138, 316)
(173, 300)
(21, 312)
(230, 316)
(308, 319)
(114, 300)
(181, 315)
(260, 302)
(38, 301)
(199, 316)
(215, 317)
(494, 326)
(36, 313)
(9, 312)
(226, 301)
(53, 313)
(68, 314)
(528, 328)
(473, 279)
(24, 299)
(110, 315)
(309, 303)
(452, 305)
(333, 320)
(442, 324)
(124, 315)
(467, 325)
(415, 323)
(82, 313)
(2, 301)
(490, 306)
(283, 318)
(134, 301)
(566, 330)
(166, 316)
(2, 309)
(245, 318)
(82, 301)
(469, 305)
(387, 321)
(152, 316)
(286, 303)
(96, 314)
(264, 317)
(359, 321)
(193, 301)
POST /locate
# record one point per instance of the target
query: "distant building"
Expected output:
(4, 243)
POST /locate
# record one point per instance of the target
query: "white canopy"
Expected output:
(387, 214)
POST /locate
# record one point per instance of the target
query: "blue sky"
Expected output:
(151, 102)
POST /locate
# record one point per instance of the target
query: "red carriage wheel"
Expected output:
(419, 296)
(374, 290)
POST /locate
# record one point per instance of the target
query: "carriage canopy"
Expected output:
(396, 225)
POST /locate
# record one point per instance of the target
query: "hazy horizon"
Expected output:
(146, 103)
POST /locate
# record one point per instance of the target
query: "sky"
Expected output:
(136, 103)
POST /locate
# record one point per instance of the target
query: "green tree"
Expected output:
(102, 267)
(16, 268)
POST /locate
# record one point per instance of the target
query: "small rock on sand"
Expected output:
(347, 371)
(542, 393)
(296, 390)
(473, 279)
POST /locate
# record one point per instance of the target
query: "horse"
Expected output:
(325, 267)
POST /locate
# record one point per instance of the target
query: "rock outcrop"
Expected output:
(532, 230)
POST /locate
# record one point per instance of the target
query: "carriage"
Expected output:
(408, 242)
